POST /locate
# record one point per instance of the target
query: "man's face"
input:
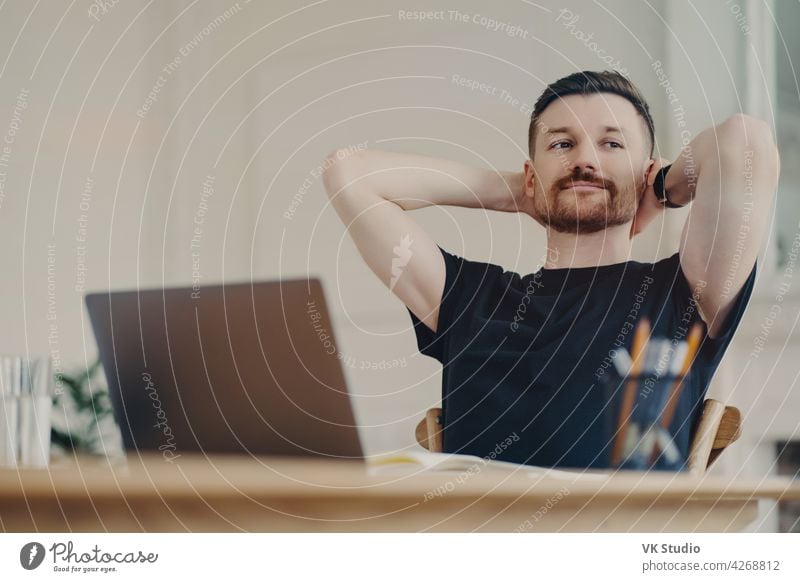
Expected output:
(590, 163)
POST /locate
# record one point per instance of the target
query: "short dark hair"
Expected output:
(588, 83)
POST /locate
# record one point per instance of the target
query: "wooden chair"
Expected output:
(719, 426)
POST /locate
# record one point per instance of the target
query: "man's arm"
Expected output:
(731, 171)
(371, 190)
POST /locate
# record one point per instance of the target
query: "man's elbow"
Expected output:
(337, 171)
(749, 140)
(331, 174)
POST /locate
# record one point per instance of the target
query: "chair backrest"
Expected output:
(719, 426)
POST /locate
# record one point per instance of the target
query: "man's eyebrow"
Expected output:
(614, 129)
(557, 130)
(607, 129)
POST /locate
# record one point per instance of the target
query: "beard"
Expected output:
(566, 210)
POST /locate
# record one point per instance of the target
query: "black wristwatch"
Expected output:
(661, 192)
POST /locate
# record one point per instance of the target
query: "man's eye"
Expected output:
(555, 145)
(619, 145)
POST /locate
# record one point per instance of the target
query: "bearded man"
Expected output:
(524, 354)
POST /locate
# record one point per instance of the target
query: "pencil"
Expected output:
(693, 341)
(638, 350)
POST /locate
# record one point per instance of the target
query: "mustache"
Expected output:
(588, 177)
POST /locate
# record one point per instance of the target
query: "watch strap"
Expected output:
(661, 191)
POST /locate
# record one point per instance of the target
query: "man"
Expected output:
(525, 355)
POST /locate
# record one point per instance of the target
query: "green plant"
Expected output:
(85, 404)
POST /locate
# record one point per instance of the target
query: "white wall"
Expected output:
(257, 104)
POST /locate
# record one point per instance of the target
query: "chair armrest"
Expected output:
(429, 431)
(719, 426)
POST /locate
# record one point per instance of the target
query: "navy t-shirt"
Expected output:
(525, 358)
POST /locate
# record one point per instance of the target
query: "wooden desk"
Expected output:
(230, 493)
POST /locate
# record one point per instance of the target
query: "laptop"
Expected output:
(248, 368)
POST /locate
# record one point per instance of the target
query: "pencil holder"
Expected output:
(637, 423)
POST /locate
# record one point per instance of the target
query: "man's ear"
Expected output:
(647, 179)
(529, 190)
(649, 167)
(530, 179)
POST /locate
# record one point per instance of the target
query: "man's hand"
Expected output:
(649, 207)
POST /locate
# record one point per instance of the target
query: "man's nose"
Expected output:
(584, 157)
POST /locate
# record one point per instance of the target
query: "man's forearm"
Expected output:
(681, 180)
(414, 181)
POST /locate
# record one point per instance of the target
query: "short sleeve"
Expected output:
(684, 298)
(734, 316)
(466, 283)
